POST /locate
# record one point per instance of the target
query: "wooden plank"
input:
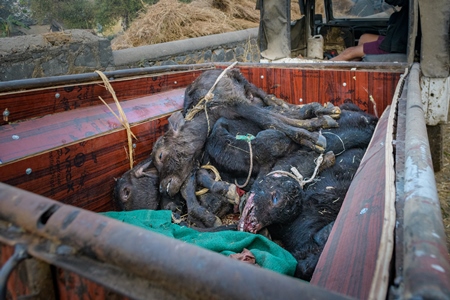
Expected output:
(61, 159)
(348, 262)
(59, 130)
(380, 281)
(82, 174)
(300, 86)
(38, 103)
(75, 287)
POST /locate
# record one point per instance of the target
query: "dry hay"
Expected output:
(170, 20)
(244, 10)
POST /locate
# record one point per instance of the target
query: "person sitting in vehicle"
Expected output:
(395, 40)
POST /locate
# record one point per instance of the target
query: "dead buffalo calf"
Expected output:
(179, 149)
(300, 218)
(138, 188)
(231, 155)
(301, 213)
(231, 142)
(355, 129)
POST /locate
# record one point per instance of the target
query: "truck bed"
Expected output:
(62, 148)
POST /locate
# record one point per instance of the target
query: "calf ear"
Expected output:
(176, 122)
(140, 169)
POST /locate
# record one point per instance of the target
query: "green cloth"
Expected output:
(267, 253)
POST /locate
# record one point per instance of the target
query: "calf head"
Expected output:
(138, 188)
(176, 152)
(274, 199)
(233, 85)
(277, 197)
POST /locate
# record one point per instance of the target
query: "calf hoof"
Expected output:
(232, 194)
(271, 100)
(322, 235)
(199, 216)
(218, 222)
(265, 232)
(328, 122)
(328, 160)
(330, 110)
(334, 111)
(321, 144)
(313, 140)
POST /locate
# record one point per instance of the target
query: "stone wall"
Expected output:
(232, 46)
(79, 51)
(52, 54)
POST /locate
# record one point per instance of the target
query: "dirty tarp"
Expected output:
(268, 254)
(274, 29)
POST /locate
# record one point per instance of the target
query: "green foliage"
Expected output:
(72, 13)
(13, 15)
(7, 25)
(86, 14)
(14, 8)
(80, 14)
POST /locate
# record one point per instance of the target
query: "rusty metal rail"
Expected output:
(426, 266)
(182, 270)
(52, 81)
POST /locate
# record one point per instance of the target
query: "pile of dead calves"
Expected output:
(237, 151)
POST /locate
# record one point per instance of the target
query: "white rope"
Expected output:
(297, 175)
(343, 145)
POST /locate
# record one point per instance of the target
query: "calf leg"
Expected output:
(311, 124)
(303, 112)
(197, 215)
(218, 187)
(322, 235)
(267, 119)
(308, 258)
(329, 159)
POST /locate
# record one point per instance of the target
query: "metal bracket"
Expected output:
(20, 253)
(435, 99)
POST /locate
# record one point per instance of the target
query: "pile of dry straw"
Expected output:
(170, 20)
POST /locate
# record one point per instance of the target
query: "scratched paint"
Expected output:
(438, 268)
(436, 235)
(420, 253)
(427, 183)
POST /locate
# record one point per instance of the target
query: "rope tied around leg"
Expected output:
(217, 178)
(248, 138)
(297, 175)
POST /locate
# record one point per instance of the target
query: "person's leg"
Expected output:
(357, 52)
(350, 53)
(367, 38)
(374, 47)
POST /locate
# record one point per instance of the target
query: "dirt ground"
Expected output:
(443, 183)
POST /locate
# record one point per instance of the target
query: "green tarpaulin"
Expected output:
(267, 253)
